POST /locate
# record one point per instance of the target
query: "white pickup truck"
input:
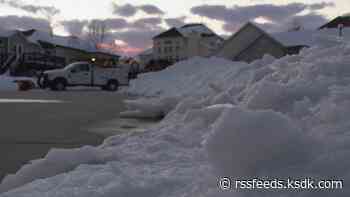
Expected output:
(85, 74)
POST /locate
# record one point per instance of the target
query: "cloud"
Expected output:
(24, 23)
(150, 23)
(74, 27)
(278, 15)
(245, 13)
(151, 9)
(136, 34)
(35, 9)
(320, 6)
(115, 23)
(128, 10)
(137, 39)
(309, 21)
(175, 22)
(124, 10)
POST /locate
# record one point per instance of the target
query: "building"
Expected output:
(340, 20)
(37, 50)
(4, 40)
(71, 48)
(104, 58)
(14, 46)
(251, 43)
(185, 42)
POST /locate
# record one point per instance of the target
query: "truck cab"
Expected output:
(85, 74)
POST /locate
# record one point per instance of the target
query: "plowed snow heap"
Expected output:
(272, 118)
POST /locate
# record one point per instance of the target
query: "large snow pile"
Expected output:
(285, 118)
(191, 77)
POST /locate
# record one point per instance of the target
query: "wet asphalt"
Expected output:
(29, 130)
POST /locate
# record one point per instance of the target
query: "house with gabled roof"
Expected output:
(251, 43)
(37, 50)
(185, 42)
(71, 48)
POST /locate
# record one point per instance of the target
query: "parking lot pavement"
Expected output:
(28, 130)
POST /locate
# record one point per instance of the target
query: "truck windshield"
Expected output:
(72, 65)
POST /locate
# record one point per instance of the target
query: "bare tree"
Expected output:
(97, 32)
(49, 13)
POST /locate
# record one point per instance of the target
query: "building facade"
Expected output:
(251, 43)
(188, 41)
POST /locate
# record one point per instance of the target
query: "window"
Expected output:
(81, 68)
(168, 42)
(85, 67)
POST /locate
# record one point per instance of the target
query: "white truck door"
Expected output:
(81, 74)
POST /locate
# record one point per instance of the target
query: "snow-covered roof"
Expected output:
(186, 30)
(308, 37)
(66, 41)
(294, 38)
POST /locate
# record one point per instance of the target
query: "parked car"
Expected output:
(85, 74)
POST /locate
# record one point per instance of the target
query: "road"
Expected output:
(29, 130)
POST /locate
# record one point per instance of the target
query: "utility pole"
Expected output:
(340, 28)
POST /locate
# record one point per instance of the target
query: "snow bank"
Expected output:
(272, 118)
(7, 83)
(183, 79)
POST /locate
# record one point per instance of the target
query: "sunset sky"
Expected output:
(133, 23)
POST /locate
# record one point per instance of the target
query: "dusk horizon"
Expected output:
(132, 24)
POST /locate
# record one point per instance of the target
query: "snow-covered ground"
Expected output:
(285, 118)
(7, 83)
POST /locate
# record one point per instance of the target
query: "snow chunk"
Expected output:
(249, 144)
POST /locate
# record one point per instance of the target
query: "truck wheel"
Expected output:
(58, 85)
(112, 85)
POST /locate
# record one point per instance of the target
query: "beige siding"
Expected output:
(183, 48)
(261, 47)
(240, 41)
(170, 48)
